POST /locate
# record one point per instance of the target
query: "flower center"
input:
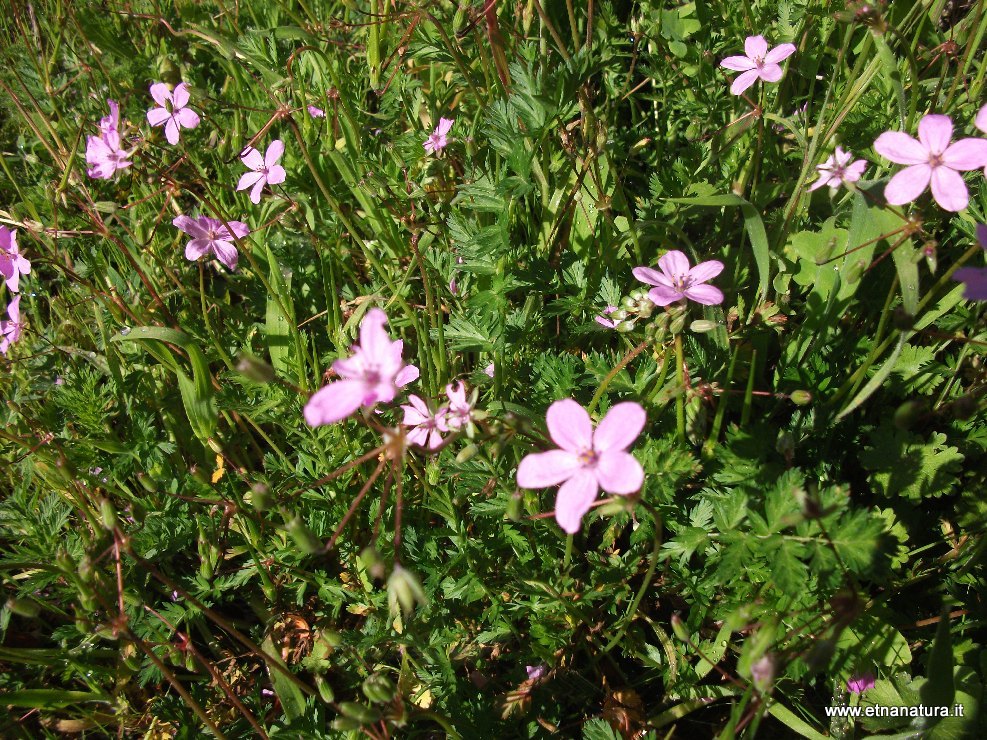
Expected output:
(935, 160)
(372, 375)
(681, 282)
(588, 458)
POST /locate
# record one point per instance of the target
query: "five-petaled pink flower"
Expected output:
(373, 374)
(316, 112)
(489, 370)
(981, 122)
(103, 153)
(12, 263)
(861, 682)
(210, 235)
(931, 158)
(678, 281)
(438, 141)
(975, 278)
(759, 63)
(838, 169)
(265, 169)
(459, 413)
(10, 331)
(172, 111)
(587, 460)
(428, 426)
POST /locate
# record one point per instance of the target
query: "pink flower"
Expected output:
(837, 169)
(587, 460)
(428, 426)
(10, 331)
(372, 375)
(536, 672)
(981, 122)
(860, 682)
(210, 235)
(172, 111)
(975, 278)
(103, 152)
(931, 158)
(489, 370)
(12, 263)
(603, 320)
(437, 141)
(265, 170)
(460, 409)
(678, 281)
(758, 63)
(316, 112)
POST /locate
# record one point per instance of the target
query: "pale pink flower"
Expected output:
(489, 370)
(12, 263)
(933, 159)
(265, 169)
(460, 409)
(428, 426)
(975, 278)
(981, 122)
(603, 320)
(103, 152)
(438, 141)
(759, 63)
(536, 672)
(454, 287)
(838, 169)
(677, 281)
(861, 682)
(10, 331)
(587, 460)
(316, 112)
(373, 374)
(172, 112)
(210, 235)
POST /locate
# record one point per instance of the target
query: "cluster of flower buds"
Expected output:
(632, 308)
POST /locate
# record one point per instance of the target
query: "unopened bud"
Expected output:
(255, 369)
(856, 271)
(28, 608)
(678, 628)
(404, 591)
(108, 514)
(306, 540)
(908, 414)
(625, 327)
(763, 673)
(260, 496)
(467, 453)
(379, 688)
(513, 510)
(372, 561)
(701, 326)
(677, 324)
(325, 690)
(801, 398)
(360, 712)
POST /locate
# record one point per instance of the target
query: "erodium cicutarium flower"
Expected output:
(12, 263)
(974, 278)
(171, 111)
(265, 169)
(438, 139)
(372, 374)
(838, 170)
(758, 64)
(209, 235)
(10, 331)
(861, 682)
(427, 426)
(677, 280)
(587, 460)
(103, 153)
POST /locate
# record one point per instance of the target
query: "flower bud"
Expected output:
(801, 398)
(255, 369)
(677, 324)
(856, 271)
(908, 414)
(619, 315)
(306, 540)
(701, 326)
(346, 724)
(679, 629)
(360, 712)
(467, 453)
(404, 591)
(260, 496)
(27, 608)
(763, 673)
(513, 510)
(629, 302)
(108, 514)
(372, 561)
(625, 327)
(325, 690)
(379, 688)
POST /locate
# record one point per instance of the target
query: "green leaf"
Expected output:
(50, 698)
(291, 697)
(939, 690)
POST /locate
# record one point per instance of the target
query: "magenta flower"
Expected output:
(373, 374)
(428, 426)
(316, 112)
(603, 320)
(210, 235)
(265, 169)
(587, 460)
(536, 672)
(677, 281)
(438, 141)
(759, 63)
(12, 263)
(860, 682)
(838, 169)
(975, 278)
(103, 153)
(489, 370)
(981, 122)
(172, 112)
(460, 409)
(10, 331)
(931, 158)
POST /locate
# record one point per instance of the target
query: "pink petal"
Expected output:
(252, 158)
(575, 498)
(189, 225)
(160, 93)
(226, 253)
(908, 184)
(275, 175)
(418, 436)
(708, 295)
(334, 402)
(823, 179)
(407, 374)
(948, 189)
(975, 279)
(542, 469)
(755, 47)
(662, 295)
(651, 277)
(247, 179)
(901, 148)
(445, 124)
(743, 81)
(569, 425)
(674, 264)
(172, 131)
(705, 271)
(179, 98)
(274, 152)
(855, 170)
(738, 64)
(255, 192)
(620, 427)
(157, 116)
(619, 472)
(196, 248)
(981, 120)
(771, 73)
(935, 131)
(238, 228)
(374, 340)
(982, 235)
(779, 53)
(966, 154)
(187, 118)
